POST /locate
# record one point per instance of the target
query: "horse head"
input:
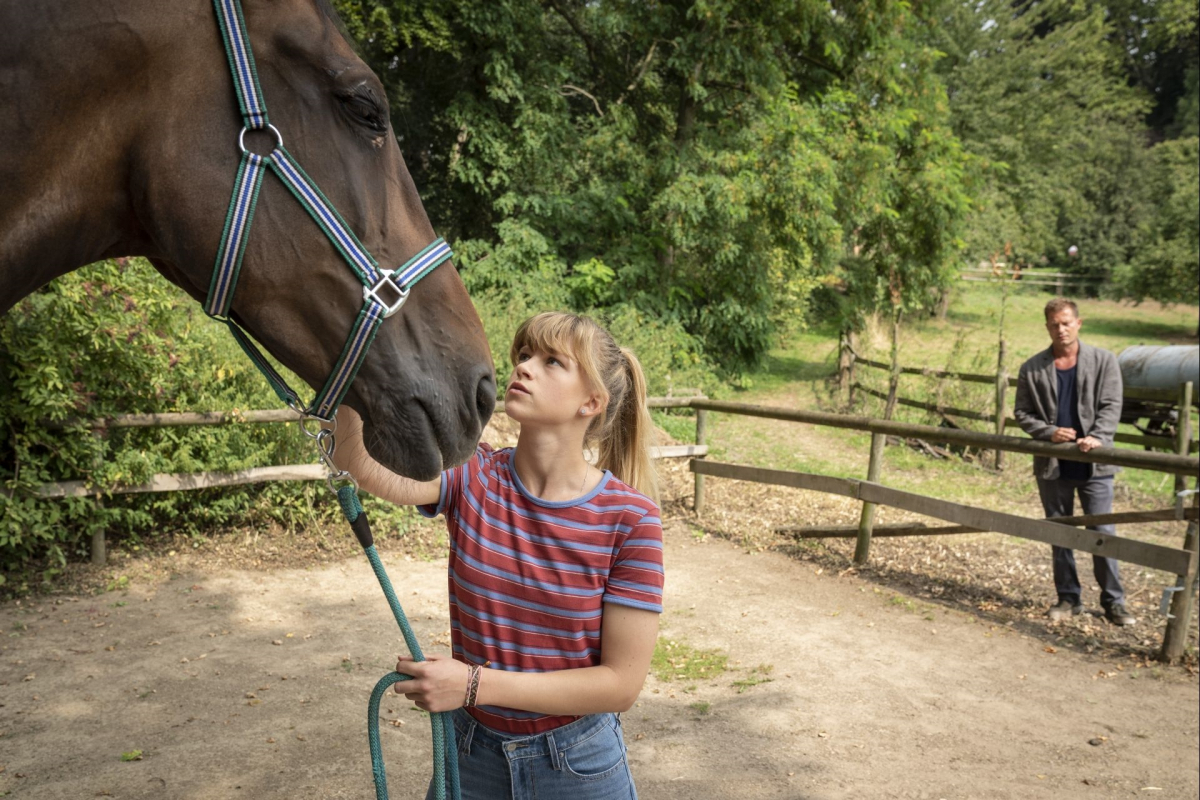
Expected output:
(157, 154)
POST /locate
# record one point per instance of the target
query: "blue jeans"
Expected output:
(583, 760)
(1096, 497)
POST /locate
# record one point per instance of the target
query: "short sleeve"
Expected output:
(455, 482)
(636, 577)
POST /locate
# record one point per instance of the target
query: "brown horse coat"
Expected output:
(118, 136)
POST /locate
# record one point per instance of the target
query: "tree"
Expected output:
(1166, 266)
(1039, 95)
(702, 162)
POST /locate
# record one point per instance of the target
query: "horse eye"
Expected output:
(364, 110)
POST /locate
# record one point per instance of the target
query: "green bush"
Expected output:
(115, 338)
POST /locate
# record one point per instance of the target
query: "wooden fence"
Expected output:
(1181, 562)
(178, 482)
(1064, 532)
(1181, 398)
(1059, 280)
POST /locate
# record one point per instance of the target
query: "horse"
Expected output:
(119, 137)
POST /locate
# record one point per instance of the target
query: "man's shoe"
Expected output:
(1118, 615)
(1064, 609)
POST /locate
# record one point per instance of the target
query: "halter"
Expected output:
(384, 291)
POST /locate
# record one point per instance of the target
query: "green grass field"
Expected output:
(796, 375)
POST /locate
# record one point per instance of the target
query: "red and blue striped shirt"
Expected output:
(529, 578)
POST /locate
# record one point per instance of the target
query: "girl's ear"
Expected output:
(592, 407)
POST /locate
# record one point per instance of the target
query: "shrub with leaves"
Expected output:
(116, 338)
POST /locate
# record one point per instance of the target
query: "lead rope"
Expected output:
(445, 749)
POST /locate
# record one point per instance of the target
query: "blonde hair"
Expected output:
(623, 427)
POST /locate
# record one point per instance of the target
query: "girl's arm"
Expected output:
(627, 637)
(351, 455)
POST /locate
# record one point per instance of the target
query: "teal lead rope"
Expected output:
(445, 751)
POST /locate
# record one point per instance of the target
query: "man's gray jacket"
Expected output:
(1098, 390)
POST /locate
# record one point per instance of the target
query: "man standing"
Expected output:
(1072, 393)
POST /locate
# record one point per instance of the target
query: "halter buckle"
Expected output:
(371, 293)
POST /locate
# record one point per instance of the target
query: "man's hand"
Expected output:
(439, 684)
(1061, 435)
(1088, 443)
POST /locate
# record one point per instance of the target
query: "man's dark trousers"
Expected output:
(1096, 496)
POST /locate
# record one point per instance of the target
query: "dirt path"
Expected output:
(254, 684)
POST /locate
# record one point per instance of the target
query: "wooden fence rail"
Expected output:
(1181, 562)
(184, 418)
(177, 482)
(1160, 442)
(1129, 392)
(189, 481)
(1155, 556)
(921, 529)
(1134, 459)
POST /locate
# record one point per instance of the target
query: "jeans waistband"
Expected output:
(472, 733)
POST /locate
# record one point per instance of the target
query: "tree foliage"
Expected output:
(704, 163)
(1060, 101)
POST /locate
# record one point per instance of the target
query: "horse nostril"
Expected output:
(485, 397)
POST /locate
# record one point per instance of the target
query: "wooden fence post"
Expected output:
(701, 433)
(1001, 402)
(1183, 437)
(1176, 634)
(845, 362)
(866, 522)
(99, 548)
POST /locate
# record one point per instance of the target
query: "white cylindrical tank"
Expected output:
(1160, 366)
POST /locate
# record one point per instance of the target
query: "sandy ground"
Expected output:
(254, 684)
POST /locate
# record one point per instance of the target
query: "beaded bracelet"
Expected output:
(473, 671)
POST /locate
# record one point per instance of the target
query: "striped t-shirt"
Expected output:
(528, 578)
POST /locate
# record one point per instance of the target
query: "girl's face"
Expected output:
(548, 388)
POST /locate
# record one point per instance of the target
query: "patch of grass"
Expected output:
(679, 426)
(758, 675)
(700, 707)
(679, 661)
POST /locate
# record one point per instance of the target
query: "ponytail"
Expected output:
(625, 441)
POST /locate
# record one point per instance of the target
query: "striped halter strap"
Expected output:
(384, 290)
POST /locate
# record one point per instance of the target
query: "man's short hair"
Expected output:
(1058, 304)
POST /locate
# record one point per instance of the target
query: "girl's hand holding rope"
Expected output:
(438, 684)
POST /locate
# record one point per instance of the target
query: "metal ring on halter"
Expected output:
(316, 433)
(272, 128)
(341, 475)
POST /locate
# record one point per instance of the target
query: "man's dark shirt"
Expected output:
(1068, 417)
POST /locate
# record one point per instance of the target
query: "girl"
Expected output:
(555, 572)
